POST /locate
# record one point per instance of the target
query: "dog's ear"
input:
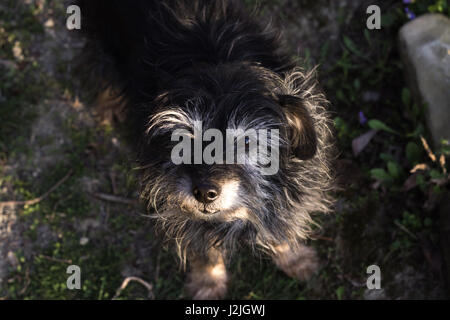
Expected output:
(301, 132)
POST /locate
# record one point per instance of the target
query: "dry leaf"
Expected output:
(49, 23)
(420, 166)
(442, 163)
(427, 149)
(376, 185)
(359, 143)
(17, 51)
(411, 182)
(77, 105)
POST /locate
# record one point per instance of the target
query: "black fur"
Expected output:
(210, 60)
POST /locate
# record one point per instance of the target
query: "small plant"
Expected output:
(413, 8)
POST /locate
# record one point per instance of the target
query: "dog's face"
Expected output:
(235, 102)
(227, 194)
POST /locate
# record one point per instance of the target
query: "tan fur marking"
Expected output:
(207, 279)
(300, 262)
(109, 107)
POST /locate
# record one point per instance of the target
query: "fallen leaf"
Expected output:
(420, 166)
(376, 185)
(427, 149)
(442, 163)
(17, 51)
(361, 142)
(411, 182)
(49, 23)
(77, 105)
(84, 241)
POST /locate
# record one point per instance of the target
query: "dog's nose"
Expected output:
(206, 193)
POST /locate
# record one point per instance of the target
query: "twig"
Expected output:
(127, 281)
(27, 282)
(56, 259)
(405, 229)
(36, 200)
(112, 198)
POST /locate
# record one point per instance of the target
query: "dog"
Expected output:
(175, 64)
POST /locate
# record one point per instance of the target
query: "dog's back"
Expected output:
(140, 43)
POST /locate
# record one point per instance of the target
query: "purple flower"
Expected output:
(407, 1)
(362, 118)
(411, 15)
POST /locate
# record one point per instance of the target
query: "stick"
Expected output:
(405, 229)
(36, 200)
(112, 198)
(127, 281)
(56, 259)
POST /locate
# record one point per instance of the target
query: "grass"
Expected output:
(361, 73)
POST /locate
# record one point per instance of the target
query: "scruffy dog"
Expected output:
(176, 63)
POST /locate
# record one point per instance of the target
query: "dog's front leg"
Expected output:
(207, 278)
(299, 261)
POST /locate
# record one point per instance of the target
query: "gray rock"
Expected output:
(425, 49)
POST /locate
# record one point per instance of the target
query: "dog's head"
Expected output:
(235, 148)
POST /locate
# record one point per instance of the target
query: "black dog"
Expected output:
(180, 63)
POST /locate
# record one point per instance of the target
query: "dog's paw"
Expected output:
(300, 263)
(207, 284)
(211, 291)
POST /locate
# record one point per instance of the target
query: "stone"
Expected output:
(425, 50)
